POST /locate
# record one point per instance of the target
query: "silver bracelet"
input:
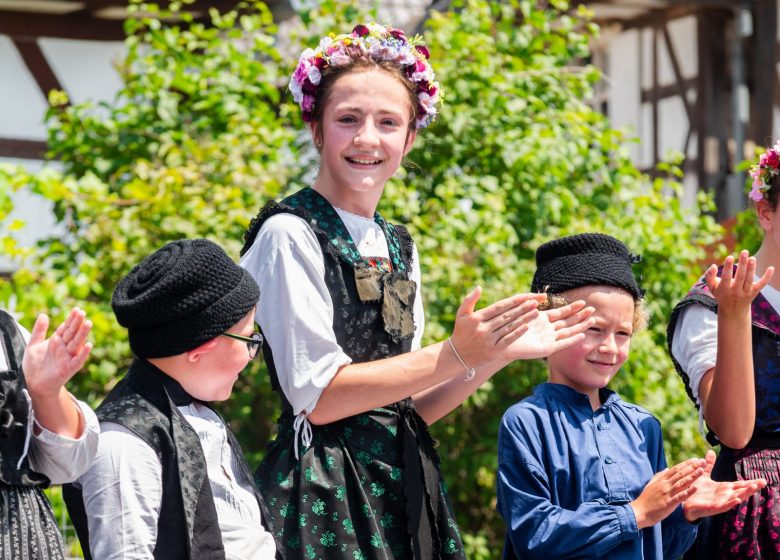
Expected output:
(470, 372)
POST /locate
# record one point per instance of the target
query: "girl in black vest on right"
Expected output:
(353, 473)
(724, 337)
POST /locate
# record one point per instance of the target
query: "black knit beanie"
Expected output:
(587, 259)
(181, 296)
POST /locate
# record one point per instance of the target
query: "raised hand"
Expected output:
(665, 491)
(482, 336)
(735, 290)
(552, 330)
(49, 363)
(713, 497)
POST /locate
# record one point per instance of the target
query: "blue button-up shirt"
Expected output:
(566, 474)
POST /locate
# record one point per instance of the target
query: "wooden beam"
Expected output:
(77, 25)
(36, 63)
(22, 149)
(655, 111)
(679, 82)
(761, 56)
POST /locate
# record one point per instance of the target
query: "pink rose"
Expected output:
(308, 103)
(423, 50)
(772, 160)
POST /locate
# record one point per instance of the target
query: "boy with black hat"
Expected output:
(582, 474)
(169, 480)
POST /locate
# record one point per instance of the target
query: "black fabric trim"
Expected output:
(407, 246)
(693, 299)
(14, 410)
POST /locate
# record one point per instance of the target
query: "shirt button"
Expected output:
(601, 426)
(609, 460)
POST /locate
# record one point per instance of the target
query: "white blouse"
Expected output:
(695, 343)
(122, 493)
(295, 311)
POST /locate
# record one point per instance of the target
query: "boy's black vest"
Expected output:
(14, 411)
(145, 402)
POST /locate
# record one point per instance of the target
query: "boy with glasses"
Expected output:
(169, 480)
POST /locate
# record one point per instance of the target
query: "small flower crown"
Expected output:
(768, 166)
(379, 43)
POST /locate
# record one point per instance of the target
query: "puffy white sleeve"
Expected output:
(122, 494)
(295, 310)
(61, 458)
(695, 346)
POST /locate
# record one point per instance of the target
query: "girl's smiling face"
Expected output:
(364, 133)
(591, 364)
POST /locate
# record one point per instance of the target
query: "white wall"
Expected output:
(85, 69)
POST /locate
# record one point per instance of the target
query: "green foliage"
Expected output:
(201, 135)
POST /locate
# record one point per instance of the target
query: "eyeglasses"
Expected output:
(253, 343)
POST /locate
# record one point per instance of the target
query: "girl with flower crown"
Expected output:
(724, 337)
(353, 472)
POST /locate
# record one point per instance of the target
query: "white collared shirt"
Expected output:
(122, 493)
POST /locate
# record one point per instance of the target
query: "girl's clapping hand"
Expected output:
(735, 289)
(713, 497)
(49, 363)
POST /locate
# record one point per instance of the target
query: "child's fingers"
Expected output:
(684, 482)
(727, 274)
(63, 327)
(577, 321)
(72, 324)
(565, 340)
(711, 277)
(80, 337)
(511, 336)
(470, 301)
(764, 280)
(39, 329)
(78, 361)
(746, 281)
(743, 263)
(684, 469)
(507, 321)
(565, 333)
(567, 312)
(709, 461)
(508, 306)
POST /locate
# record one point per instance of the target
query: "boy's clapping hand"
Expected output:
(665, 491)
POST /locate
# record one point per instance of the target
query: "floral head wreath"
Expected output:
(379, 43)
(768, 166)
